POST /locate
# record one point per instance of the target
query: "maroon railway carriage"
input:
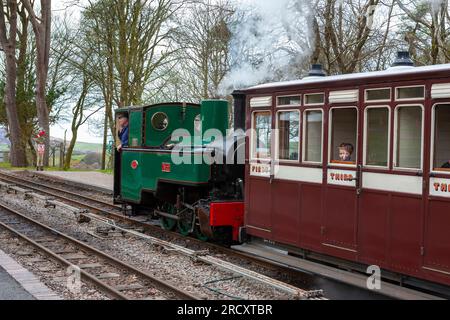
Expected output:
(388, 203)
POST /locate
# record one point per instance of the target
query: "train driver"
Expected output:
(123, 131)
(345, 152)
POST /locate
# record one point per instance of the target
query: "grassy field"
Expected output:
(81, 148)
(4, 165)
(88, 147)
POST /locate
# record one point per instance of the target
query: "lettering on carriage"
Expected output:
(440, 187)
(259, 169)
(342, 177)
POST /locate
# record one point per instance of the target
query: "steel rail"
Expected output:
(159, 284)
(95, 209)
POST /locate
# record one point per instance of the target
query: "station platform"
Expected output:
(88, 179)
(17, 283)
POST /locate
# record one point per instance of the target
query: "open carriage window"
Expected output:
(409, 125)
(262, 135)
(313, 136)
(377, 137)
(344, 124)
(442, 138)
(288, 135)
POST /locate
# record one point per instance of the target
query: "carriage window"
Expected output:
(409, 93)
(344, 124)
(289, 101)
(313, 136)
(409, 137)
(442, 137)
(377, 136)
(378, 94)
(288, 135)
(316, 98)
(262, 122)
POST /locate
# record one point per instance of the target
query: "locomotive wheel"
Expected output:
(167, 223)
(199, 234)
(184, 227)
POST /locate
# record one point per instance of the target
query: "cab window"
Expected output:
(288, 135)
(441, 160)
(344, 124)
(409, 124)
(262, 135)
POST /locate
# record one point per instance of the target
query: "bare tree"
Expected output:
(8, 45)
(42, 31)
(352, 36)
(427, 30)
(204, 38)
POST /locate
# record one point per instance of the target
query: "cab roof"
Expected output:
(131, 108)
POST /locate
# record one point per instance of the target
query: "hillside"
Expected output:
(80, 147)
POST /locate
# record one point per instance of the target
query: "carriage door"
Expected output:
(342, 181)
(437, 219)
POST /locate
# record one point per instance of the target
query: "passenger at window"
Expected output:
(345, 152)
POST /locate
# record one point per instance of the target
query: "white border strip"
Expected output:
(313, 175)
(392, 182)
(26, 279)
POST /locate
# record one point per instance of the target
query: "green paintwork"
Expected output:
(149, 171)
(135, 128)
(177, 119)
(151, 159)
(215, 116)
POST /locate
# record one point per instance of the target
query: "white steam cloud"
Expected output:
(273, 38)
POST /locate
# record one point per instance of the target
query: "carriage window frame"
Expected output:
(365, 145)
(395, 152)
(306, 95)
(304, 124)
(378, 100)
(277, 136)
(410, 99)
(253, 131)
(433, 169)
(289, 105)
(331, 162)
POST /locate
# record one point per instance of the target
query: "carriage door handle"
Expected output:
(358, 179)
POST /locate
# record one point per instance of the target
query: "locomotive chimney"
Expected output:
(403, 60)
(316, 71)
(239, 110)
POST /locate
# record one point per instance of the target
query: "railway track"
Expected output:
(111, 276)
(124, 223)
(112, 211)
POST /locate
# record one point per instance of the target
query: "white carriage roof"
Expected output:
(353, 76)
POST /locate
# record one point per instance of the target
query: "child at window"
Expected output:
(345, 152)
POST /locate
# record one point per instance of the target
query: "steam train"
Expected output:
(387, 203)
(181, 166)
